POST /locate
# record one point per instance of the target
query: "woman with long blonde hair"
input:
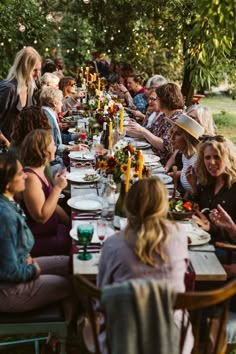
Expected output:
(147, 246)
(16, 92)
(214, 181)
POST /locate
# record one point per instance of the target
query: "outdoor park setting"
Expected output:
(117, 176)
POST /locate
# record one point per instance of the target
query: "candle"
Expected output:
(87, 73)
(127, 177)
(110, 136)
(99, 104)
(122, 120)
(140, 165)
(94, 77)
(91, 77)
(84, 84)
(99, 86)
(82, 73)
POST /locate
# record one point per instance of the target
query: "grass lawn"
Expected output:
(224, 113)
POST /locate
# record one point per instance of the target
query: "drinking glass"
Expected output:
(82, 134)
(102, 230)
(85, 234)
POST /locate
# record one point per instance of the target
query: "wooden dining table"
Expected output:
(204, 262)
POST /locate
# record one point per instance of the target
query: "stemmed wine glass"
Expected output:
(102, 230)
(85, 234)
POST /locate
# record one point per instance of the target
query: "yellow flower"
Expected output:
(123, 167)
(102, 165)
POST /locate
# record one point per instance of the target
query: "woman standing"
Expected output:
(216, 177)
(16, 92)
(26, 283)
(47, 220)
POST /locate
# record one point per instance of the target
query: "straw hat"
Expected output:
(189, 125)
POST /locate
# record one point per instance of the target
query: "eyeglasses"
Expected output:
(207, 138)
(152, 99)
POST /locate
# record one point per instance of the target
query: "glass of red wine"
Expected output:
(102, 230)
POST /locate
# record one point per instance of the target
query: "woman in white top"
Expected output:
(184, 138)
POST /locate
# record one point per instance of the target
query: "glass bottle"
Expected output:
(119, 207)
(115, 134)
(105, 135)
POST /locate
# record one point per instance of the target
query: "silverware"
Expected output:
(86, 217)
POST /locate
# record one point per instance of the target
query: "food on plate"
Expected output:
(182, 206)
(69, 119)
(90, 177)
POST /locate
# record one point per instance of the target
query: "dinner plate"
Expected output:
(149, 158)
(81, 178)
(141, 144)
(157, 169)
(197, 237)
(72, 130)
(79, 155)
(95, 239)
(164, 178)
(88, 204)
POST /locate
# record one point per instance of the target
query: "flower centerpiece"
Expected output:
(118, 163)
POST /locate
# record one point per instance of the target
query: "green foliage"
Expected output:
(37, 30)
(157, 37)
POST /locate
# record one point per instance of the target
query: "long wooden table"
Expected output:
(205, 263)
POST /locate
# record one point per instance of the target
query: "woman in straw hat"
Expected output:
(184, 138)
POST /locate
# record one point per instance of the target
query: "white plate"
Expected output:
(95, 239)
(72, 130)
(148, 158)
(141, 144)
(164, 178)
(79, 155)
(198, 237)
(157, 170)
(86, 203)
(77, 177)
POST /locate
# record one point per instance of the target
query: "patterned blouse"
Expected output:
(161, 128)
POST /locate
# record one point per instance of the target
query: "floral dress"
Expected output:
(161, 128)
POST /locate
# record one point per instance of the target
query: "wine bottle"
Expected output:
(105, 135)
(119, 207)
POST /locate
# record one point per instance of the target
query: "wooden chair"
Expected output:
(208, 312)
(41, 321)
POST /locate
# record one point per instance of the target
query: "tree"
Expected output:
(23, 24)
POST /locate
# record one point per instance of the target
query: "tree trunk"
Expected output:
(187, 88)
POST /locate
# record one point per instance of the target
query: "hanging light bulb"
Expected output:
(49, 18)
(21, 27)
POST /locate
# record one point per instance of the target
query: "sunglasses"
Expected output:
(72, 85)
(207, 138)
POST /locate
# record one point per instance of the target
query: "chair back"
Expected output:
(208, 314)
(205, 311)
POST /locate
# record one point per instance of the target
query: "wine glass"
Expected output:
(101, 230)
(85, 234)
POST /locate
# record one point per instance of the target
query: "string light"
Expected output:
(35, 41)
(49, 18)
(21, 27)
(9, 40)
(112, 38)
(2, 44)
(75, 29)
(86, 1)
(46, 49)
